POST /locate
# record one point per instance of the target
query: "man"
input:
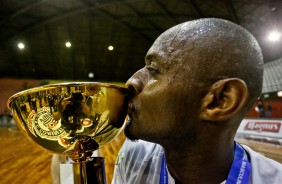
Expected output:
(200, 79)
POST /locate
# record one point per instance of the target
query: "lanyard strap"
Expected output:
(241, 167)
(238, 174)
(163, 173)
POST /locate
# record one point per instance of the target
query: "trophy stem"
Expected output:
(87, 172)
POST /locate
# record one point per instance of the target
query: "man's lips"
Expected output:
(130, 112)
(131, 107)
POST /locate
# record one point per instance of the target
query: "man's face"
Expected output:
(164, 102)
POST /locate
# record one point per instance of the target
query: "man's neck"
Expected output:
(196, 164)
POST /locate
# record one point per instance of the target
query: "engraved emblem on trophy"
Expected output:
(74, 119)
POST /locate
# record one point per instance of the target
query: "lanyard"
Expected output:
(241, 167)
(163, 173)
(238, 174)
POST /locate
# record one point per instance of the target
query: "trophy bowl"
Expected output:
(71, 118)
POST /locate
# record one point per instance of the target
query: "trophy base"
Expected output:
(88, 172)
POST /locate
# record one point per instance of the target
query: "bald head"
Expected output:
(214, 49)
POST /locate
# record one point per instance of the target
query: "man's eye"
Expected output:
(152, 69)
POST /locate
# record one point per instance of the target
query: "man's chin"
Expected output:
(129, 135)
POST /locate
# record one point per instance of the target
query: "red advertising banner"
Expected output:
(261, 127)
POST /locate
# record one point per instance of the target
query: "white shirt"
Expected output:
(140, 162)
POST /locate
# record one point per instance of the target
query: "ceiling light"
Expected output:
(111, 47)
(279, 93)
(91, 75)
(20, 45)
(274, 36)
(68, 44)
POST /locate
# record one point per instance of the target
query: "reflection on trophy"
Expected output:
(74, 119)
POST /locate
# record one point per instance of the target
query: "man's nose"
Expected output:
(137, 81)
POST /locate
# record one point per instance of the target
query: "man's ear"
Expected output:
(225, 98)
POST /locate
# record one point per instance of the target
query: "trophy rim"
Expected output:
(51, 86)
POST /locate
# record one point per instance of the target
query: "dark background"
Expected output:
(91, 26)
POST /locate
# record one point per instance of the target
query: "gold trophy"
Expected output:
(74, 119)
